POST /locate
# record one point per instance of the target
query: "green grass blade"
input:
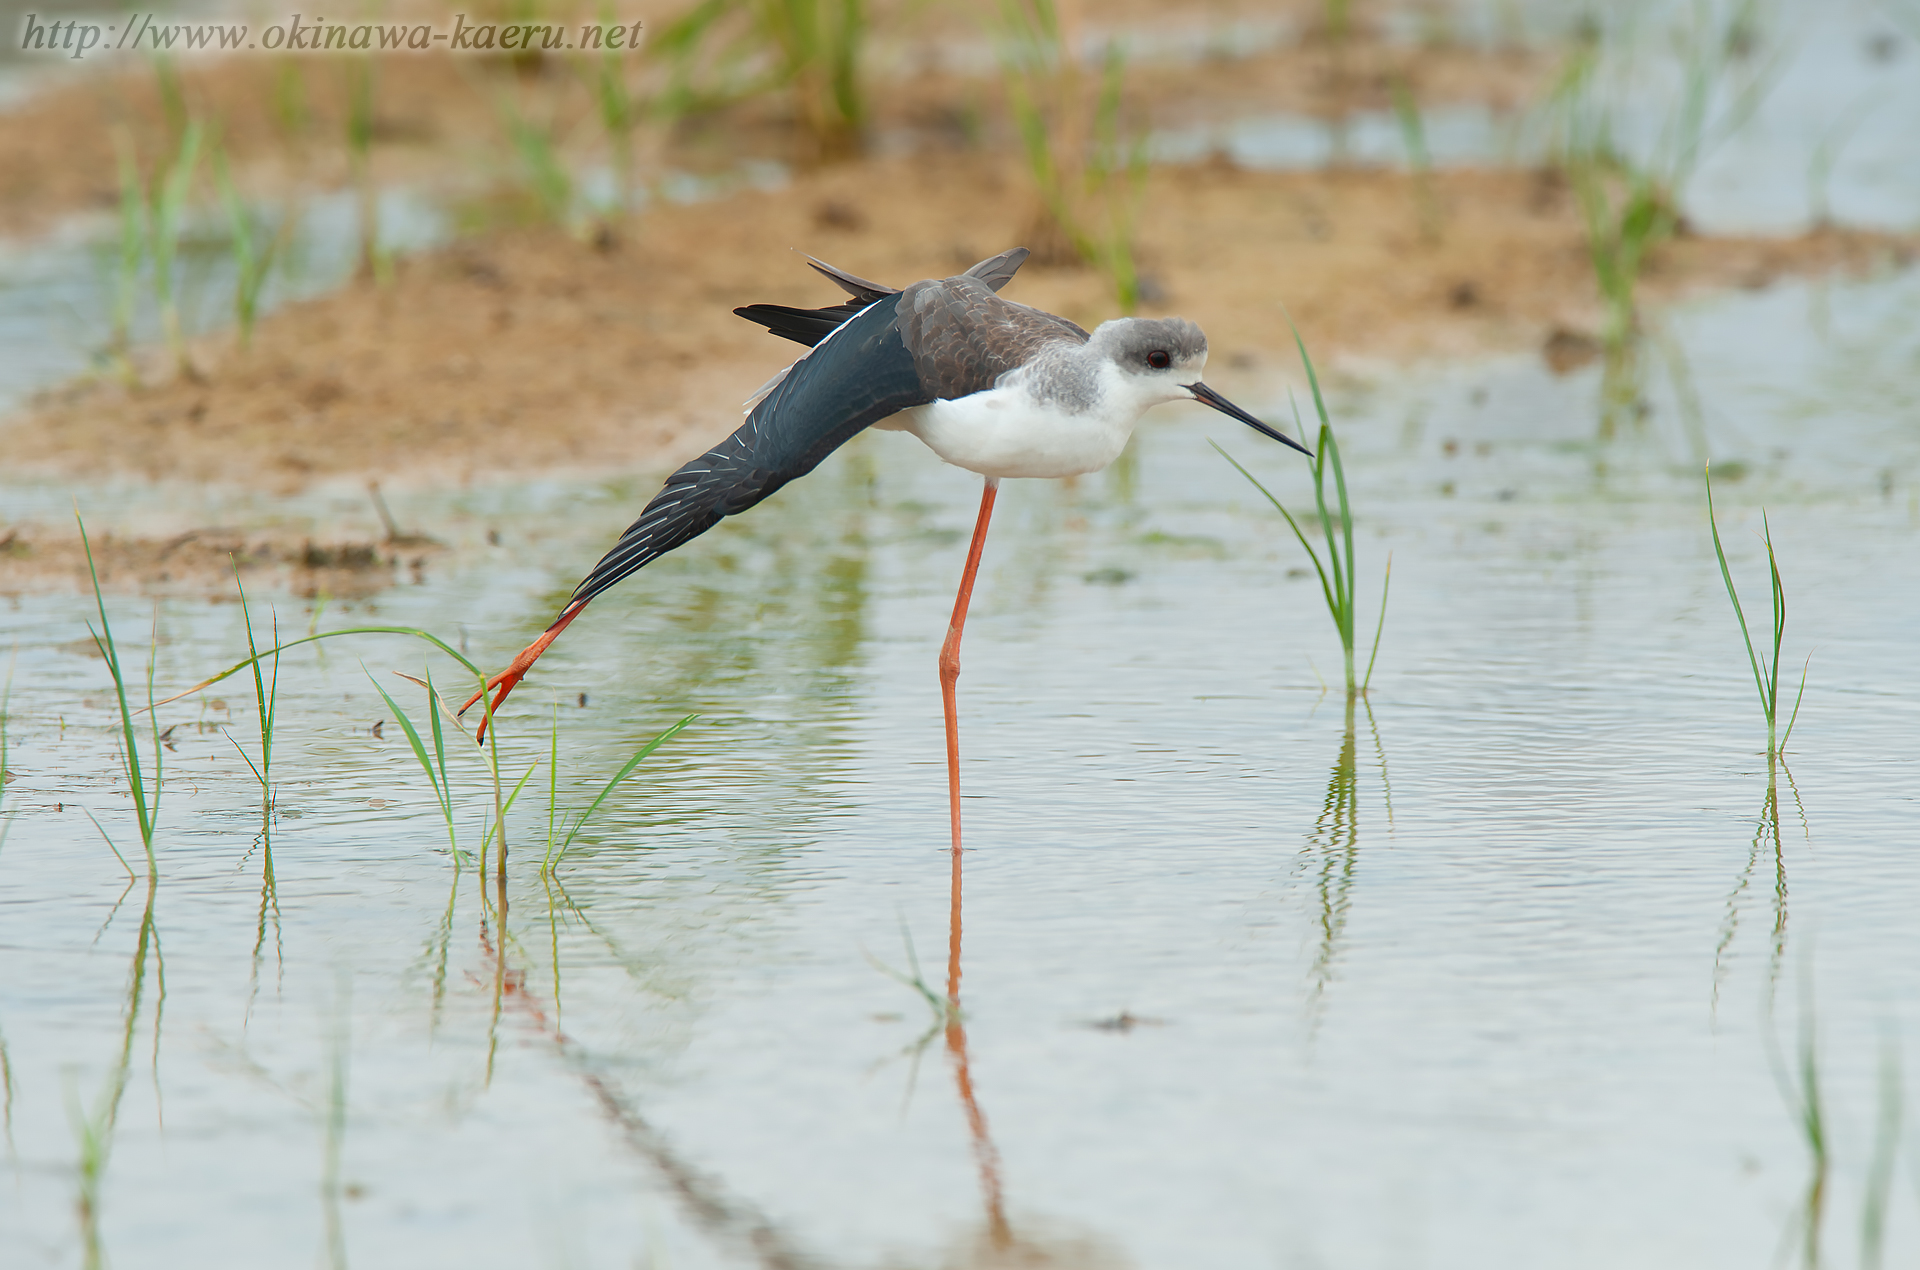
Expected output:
(1788, 735)
(103, 640)
(1779, 619)
(1379, 626)
(1726, 574)
(1326, 588)
(413, 631)
(440, 792)
(619, 776)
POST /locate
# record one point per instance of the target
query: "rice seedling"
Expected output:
(375, 263)
(1766, 669)
(619, 112)
(1089, 178)
(165, 210)
(266, 692)
(253, 250)
(1827, 153)
(1413, 136)
(433, 759)
(132, 249)
(435, 766)
(1629, 197)
(1338, 574)
(808, 48)
(6, 777)
(556, 851)
(146, 802)
(546, 177)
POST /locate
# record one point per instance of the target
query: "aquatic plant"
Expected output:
(132, 250)
(436, 766)
(1413, 136)
(1827, 153)
(6, 693)
(146, 802)
(165, 209)
(1629, 198)
(266, 693)
(809, 48)
(1766, 670)
(619, 112)
(1338, 573)
(557, 850)
(545, 175)
(374, 262)
(253, 251)
(1089, 179)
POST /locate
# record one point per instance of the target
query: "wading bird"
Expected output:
(997, 388)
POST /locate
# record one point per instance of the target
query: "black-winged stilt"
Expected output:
(997, 388)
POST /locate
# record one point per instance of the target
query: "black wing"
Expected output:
(860, 376)
(810, 326)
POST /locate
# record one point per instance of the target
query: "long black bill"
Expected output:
(1208, 396)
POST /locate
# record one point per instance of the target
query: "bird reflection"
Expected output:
(996, 1244)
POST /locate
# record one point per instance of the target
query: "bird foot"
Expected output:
(509, 679)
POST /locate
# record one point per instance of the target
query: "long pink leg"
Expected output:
(950, 657)
(509, 679)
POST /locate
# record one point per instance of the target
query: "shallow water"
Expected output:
(1491, 978)
(1824, 136)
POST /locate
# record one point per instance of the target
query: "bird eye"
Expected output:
(1158, 359)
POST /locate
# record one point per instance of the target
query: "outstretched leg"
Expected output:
(950, 654)
(509, 679)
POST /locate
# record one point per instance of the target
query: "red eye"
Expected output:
(1158, 359)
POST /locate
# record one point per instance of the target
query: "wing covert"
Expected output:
(963, 337)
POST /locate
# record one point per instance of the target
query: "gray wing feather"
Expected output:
(963, 337)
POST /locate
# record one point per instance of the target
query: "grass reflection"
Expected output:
(94, 1126)
(1333, 846)
(1766, 841)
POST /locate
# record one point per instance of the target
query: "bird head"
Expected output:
(1160, 359)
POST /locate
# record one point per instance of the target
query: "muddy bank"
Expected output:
(532, 349)
(207, 562)
(931, 84)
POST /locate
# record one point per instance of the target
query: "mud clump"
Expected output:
(204, 562)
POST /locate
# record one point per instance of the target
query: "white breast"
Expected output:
(1004, 432)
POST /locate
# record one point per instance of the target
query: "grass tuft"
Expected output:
(1766, 670)
(1089, 178)
(556, 851)
(723, 51)
(253, 250)
(1338, 572)
(146, 803)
